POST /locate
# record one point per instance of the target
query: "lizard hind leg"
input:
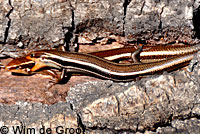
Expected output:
(135, 55)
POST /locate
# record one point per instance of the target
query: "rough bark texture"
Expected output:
(167, 103)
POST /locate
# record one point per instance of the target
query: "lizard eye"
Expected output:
(32, 55)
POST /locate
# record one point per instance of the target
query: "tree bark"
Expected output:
(166, 103)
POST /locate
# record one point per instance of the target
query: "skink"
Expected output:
(149, 54)
(23, 65)
(86, 63)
